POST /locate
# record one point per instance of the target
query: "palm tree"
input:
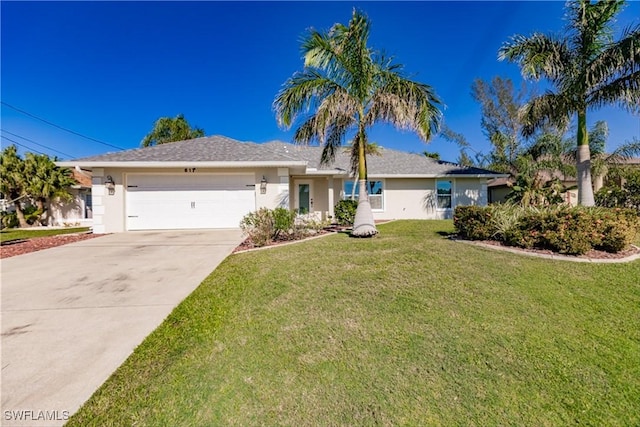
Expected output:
(13, 184)
(587, 69)
(167, 129)
(46, 181)
(351, 87)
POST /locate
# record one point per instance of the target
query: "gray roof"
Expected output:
(223, 149)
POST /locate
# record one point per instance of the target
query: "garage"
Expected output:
(188, 201)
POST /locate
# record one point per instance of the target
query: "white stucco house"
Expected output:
(212, 182)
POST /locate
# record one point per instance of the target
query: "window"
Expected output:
(375, 193)
(444, 190)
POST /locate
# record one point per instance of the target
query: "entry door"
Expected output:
(304, 197)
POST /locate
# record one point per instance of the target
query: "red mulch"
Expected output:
(592, 254)
(248, 244)
(40, 243)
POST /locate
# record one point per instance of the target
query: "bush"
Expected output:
(259, 226)
(563, 229)
(473, 222)
(265, 226)
(618, 229)
(10, 220)
(345, 212)
(283, 221)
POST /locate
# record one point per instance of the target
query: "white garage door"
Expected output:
(163, 202)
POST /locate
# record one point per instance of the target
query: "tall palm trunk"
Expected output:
(583, 158)
(363, 224)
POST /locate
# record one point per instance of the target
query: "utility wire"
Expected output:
(59, 127)
(24, 146)
(38, 144)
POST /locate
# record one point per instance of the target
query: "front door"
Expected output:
(304, 197)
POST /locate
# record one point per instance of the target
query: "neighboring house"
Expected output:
(74, 212)
(213, 182)
(499, 188)
(79, 210)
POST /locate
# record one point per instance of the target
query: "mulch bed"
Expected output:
(248, 244)
(21, 247)
(592, 254)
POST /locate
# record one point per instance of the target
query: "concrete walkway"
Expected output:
(72, 314)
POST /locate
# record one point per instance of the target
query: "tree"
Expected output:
(167, 129)
(350, 87)
(46, 181)
(13, 183)
(500, 103)
(35, 179)
(587, 70)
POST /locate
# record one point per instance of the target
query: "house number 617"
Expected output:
(189, 170)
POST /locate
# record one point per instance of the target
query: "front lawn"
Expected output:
(25, 233)
(407, 328)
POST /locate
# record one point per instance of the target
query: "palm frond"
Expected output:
(550, 109)
(299, 93)
(538, 55)
(406, 105)
(625, 91)
(616, 59)
(625, 152)
(590, 24)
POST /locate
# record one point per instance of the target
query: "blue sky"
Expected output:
(108, 70)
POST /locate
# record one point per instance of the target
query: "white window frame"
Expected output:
(451, 196)
(347, 195)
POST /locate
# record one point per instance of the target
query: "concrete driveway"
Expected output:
(72, 314)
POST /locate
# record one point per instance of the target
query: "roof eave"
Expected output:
(182, 164)
(438, 175)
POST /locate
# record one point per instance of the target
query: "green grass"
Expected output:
(407, 328)
(21, 233)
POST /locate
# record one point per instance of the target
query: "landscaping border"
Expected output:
(557, 257)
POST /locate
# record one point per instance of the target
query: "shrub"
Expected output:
(618, 229)
(527, 231)
(283, 221)
(563, 229)
(259, 226)
(265, 225)
(345, 212)
(473, 222)
(9, 219)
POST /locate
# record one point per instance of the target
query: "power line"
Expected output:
(59, 127)
(38, 144)
(24, 146)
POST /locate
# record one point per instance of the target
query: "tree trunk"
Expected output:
(585, 188)
(21, 220)
(43, 217)
(363, 224)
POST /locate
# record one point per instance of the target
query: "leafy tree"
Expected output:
(13, 183)
(167, 129)
(46, 181)
(350, 87)
(587, 70)
(500, 103)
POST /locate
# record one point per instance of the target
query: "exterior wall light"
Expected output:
(110, 185)
(263, 185)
